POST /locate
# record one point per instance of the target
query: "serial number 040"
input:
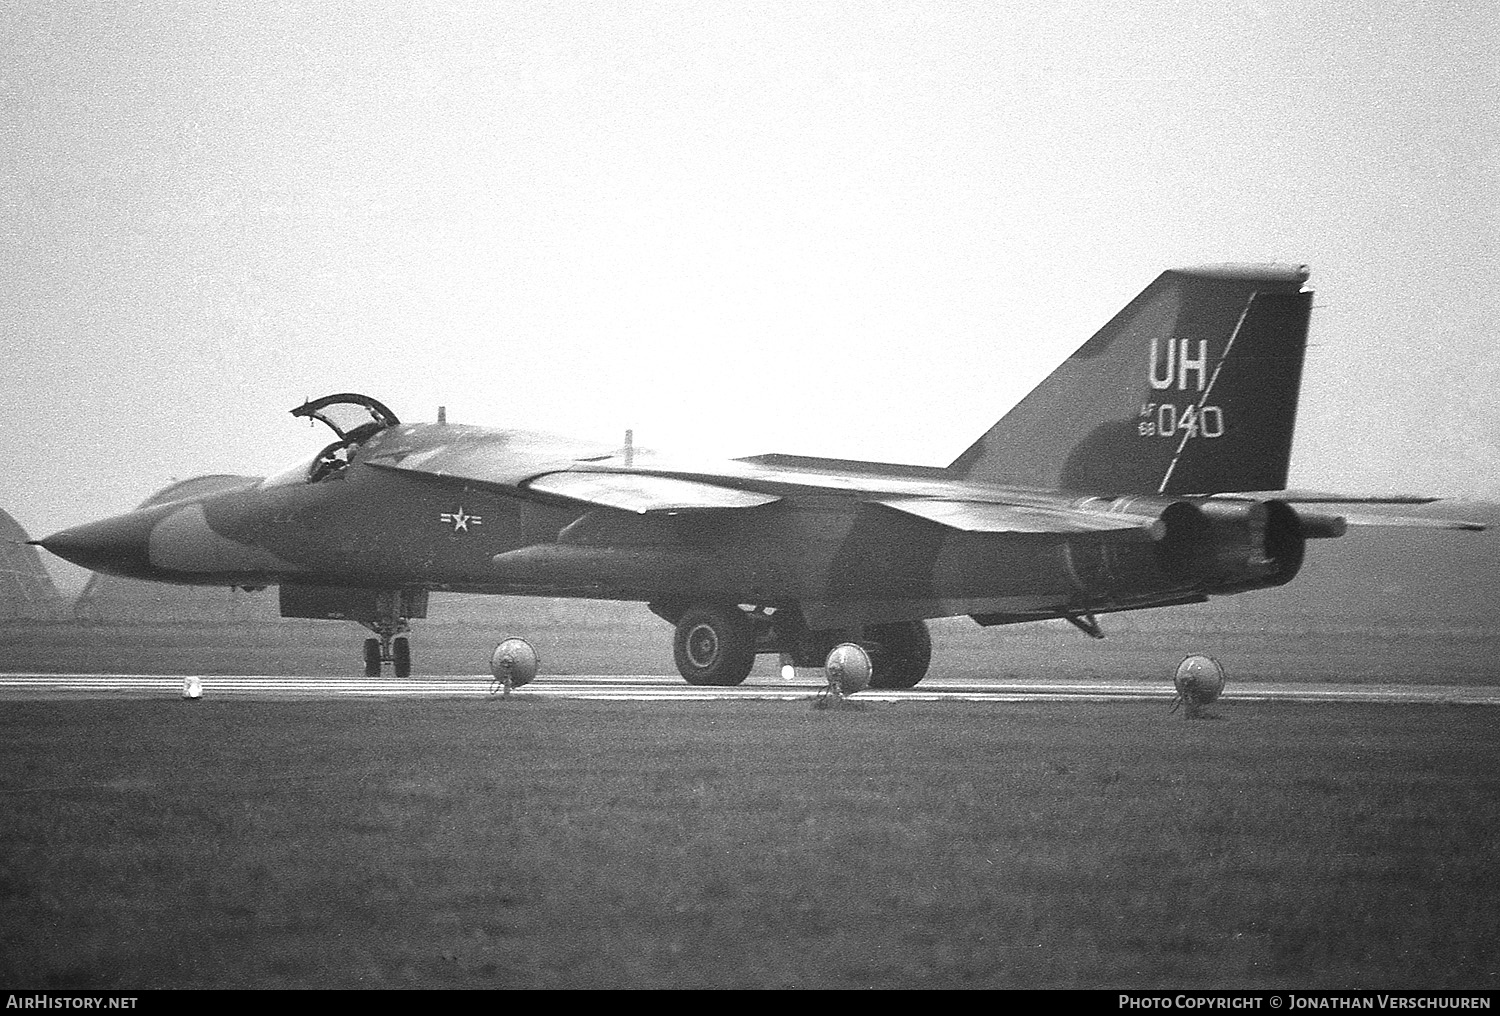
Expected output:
(1163, 419)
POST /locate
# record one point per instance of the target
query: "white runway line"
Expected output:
(633, 688)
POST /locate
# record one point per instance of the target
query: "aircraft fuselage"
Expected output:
(378, 528)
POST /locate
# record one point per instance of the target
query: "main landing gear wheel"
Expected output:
(903, 652)
(714, 646)
(387, 618)
(388, 648)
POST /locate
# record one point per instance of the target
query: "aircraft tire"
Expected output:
(401, 651)
(372, 657)
(904, 656)
(714, 646)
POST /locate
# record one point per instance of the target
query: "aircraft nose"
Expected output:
(116, 545)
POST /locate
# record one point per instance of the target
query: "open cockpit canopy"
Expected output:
(354, 418)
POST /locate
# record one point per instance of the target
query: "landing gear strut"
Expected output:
(384, 611)
(390, 647)
(390, 625)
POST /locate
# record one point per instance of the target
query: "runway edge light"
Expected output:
(513, 663)
(1199, 681)
(849, 669)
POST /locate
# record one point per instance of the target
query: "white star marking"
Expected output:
(460, 520)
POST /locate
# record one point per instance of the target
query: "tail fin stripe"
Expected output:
(1207, 391)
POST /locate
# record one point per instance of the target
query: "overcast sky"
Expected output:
(859, 229)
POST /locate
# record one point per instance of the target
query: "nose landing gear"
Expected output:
(388, 648)
(384, 611)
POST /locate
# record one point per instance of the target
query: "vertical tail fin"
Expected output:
(1191, 389)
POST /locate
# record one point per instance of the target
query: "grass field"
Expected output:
(563, 843)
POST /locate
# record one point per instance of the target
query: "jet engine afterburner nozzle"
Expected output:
(1227, 546)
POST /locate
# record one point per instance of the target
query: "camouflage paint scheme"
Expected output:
(1125, 480)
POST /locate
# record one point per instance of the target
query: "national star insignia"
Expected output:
(461, 520)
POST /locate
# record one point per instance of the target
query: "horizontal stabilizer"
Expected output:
(985, 517)
(1314, 497)
(1333, 522)
(639, 493)
(1411, 522)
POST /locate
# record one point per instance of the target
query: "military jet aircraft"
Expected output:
(1146, 471)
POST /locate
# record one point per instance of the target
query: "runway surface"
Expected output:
(649, 688)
